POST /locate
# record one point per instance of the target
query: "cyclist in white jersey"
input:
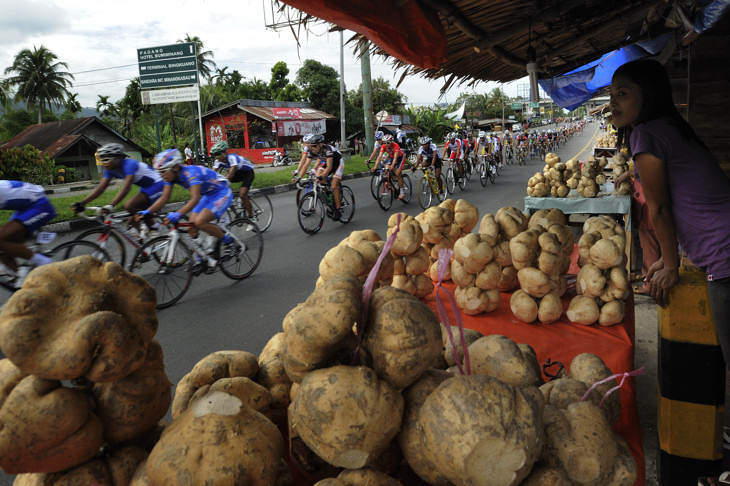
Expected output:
(130, 171)
(240, 169)
(32, 209)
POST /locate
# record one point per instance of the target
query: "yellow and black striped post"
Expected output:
(691, 373)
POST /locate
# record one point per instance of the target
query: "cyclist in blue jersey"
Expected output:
(130, 171)
(210, 195)
(428, 155)
(32, 210)
(240, 169)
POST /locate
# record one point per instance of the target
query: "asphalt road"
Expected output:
(221, 314)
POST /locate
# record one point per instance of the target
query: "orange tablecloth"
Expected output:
(562, 341)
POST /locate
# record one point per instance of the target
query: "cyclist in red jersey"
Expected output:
(396, 159)
(453, 149)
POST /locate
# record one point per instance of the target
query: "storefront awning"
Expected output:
(267, 113)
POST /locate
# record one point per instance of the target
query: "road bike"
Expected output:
(319, 202)
(487, 169)
(520, 156)
(375, 179)
(509, 155)
(428, 188)
(469, 165)
(453, 179)
(389, 189)
(263, 210)
(60, 252)
(114, 235)
(169, 262)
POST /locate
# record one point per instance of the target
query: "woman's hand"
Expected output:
(661, 280)
(623, 177)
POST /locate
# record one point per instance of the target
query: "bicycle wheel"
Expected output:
(461, 181)
(385, 195)
(347, 206)
(310, 213)
(450, 181)
(497, 169)
(109, 241)
(491, 171)
(171, 279)
(424, 193)
(263, 210)
(241, 258)
(441, 195)
(74, 248)
(407, 188)
(483, 173)
(374, 180)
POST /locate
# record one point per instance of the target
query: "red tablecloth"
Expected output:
(562, 341)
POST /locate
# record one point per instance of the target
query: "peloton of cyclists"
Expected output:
(392, 158)
(240, 169)
(328, 162)
(428, 155)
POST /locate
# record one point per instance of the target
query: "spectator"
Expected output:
(400, 135)
(189, 160)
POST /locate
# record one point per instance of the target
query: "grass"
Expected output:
(263, 179)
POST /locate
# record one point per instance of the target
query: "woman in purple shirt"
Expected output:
(687, 192)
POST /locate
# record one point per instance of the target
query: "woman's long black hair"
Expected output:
(656, 94)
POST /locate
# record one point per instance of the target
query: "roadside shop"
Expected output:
(257, 129)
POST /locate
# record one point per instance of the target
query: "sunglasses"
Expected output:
(106, 160)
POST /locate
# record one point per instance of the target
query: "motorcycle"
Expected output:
(280, 159)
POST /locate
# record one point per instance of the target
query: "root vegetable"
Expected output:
(583, 310)
(346, 415)
(502, 358)
(523, 306)
(550, 308)
(272, 375)
(534, 281)
(410, 234)
(472, 300)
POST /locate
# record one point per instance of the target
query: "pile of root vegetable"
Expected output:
(558, 178)
(363, 385)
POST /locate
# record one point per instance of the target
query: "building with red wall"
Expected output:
(256, 129)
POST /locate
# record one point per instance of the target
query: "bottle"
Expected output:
(329, 197)
(144, 230)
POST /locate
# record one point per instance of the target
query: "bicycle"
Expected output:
(485, 169)
(453, 179)
(263, 210)
(428, 187)
(375, 180)
(311, 209)
(280, 159)
(389, 188)
(60, 252)
(521, 155)
(469, 165)
(509, 155)
(169, 262)
(113, 233)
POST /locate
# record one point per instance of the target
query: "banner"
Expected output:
(458, 114)
(299, 128)
(171, 95)
(287, 113)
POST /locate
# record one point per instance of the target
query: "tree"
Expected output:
(320, 86)
(38, 79)
(72, 105)
(281, 89)
(104, 107)
(221, 76)
(206, 66)
(431, 122)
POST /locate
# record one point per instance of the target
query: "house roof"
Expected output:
(58, 136)
(263, 109)
(487, 40)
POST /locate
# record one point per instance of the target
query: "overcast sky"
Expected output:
(99, 41)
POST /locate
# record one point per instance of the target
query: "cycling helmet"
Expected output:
(482, 134)
(452, 136)
(110, 150)
(316, 139)
(387, 138)
(219, 148)
(424, 140)
(378, 135)
(167, 159)
(307, 137)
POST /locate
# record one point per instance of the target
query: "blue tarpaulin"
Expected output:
(572, 89)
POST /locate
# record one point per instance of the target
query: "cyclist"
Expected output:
(376, 149)
(330, 164)
(118, 166)
(240, 169)
(453, 149)
(305, 160)
(210, 195)
(32, 210)
(470, 145)
(508, 145)
(393, 159)
(428, 155)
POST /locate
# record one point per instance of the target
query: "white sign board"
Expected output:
(171, 95)
(297, 128)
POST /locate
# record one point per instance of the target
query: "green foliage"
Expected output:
(430, 122)
(26, 164)
(320, 86)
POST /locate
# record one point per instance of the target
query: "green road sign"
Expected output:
(516, 106)
(535, 104)
(165, 66)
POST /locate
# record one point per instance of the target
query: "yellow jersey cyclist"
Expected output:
(240, 169)
(210, 195)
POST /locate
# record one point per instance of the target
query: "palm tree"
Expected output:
(104, 107)
(206, 66)
(72, 104)
(39, 79)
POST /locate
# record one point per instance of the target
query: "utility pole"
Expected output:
(343, 139)
(367, 97)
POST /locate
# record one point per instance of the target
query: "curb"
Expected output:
(84, 224)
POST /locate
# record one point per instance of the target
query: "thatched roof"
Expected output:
(488, 40)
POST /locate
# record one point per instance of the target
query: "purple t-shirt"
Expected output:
(700, 194)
